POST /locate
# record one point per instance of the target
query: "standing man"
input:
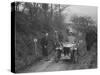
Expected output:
(44, 44)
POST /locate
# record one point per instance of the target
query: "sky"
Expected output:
(80, 11)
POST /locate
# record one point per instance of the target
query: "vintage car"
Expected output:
(66, 51)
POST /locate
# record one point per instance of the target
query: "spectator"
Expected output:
(44, 44)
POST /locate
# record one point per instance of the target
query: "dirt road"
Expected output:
(51, 65)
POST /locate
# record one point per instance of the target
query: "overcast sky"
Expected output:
(81, 10)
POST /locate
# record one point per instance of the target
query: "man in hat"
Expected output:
(44, 44)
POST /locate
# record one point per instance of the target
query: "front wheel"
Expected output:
(57, 55)
(74, 56)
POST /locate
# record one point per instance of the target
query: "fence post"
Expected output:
(35, 43)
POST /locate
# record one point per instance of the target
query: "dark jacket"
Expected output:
(44, 42)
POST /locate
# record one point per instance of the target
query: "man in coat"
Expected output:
(44, 44)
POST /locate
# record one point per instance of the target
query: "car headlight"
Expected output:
(75, 48)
